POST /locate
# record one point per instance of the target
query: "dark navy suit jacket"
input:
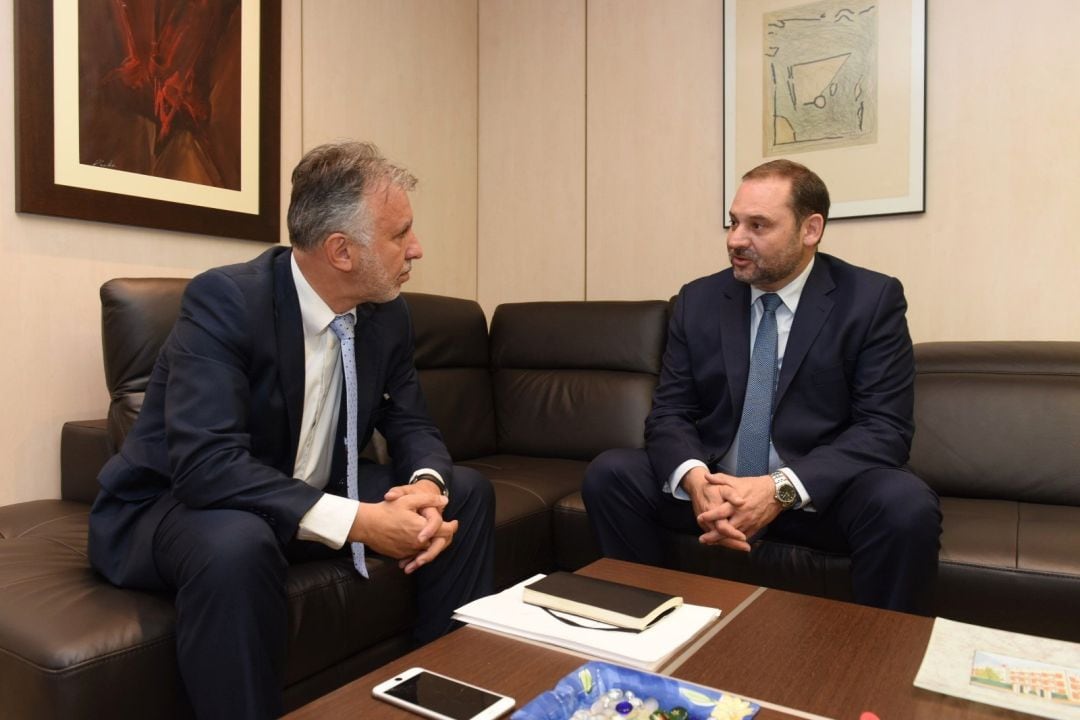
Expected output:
(845, 394)
(220, 422)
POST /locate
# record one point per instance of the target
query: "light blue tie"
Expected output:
(342, 326)
(756, 424)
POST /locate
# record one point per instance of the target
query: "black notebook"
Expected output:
(609, 602)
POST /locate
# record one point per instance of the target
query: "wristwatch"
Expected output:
(435, 479)
(785, 494)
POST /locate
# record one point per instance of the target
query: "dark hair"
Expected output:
(808, 192)
(328, 191)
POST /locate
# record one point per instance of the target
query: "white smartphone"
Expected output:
(437, 696)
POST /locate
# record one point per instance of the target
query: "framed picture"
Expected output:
(157, 113)
(837, 85)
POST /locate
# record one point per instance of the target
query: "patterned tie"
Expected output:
(760, 385)
(342, 326)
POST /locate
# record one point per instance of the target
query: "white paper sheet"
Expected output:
(506, 613)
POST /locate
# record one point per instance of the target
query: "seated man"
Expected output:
(783, 409)
(245, 453)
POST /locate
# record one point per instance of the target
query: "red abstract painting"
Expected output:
(159, 88)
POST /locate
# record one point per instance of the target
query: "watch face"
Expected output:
(785, 493)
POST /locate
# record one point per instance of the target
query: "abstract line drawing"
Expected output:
(820, 79)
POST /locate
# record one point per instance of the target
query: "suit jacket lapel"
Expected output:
(290, 342)
(814, 309)
(368, 366)
(735, 337)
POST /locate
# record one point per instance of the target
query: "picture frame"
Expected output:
(162, 150)
(837, 85)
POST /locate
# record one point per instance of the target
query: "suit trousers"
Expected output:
(229, 572)
(887, 520)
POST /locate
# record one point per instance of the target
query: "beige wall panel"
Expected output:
(995, 256)
(402, 74)
(654, 143)
(51, 367)
(531, 239)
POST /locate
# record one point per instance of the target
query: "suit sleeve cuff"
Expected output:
(328, 521)
(673, 486)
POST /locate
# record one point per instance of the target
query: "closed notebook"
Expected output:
(601, 600)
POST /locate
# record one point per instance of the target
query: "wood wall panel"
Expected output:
(403, 74)
(654, 144)
(531, 241)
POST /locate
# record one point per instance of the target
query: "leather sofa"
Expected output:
(529, 402)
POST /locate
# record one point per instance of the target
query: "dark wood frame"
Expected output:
(36, 191)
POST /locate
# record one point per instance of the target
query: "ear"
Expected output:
(337, 249)
(812, 229)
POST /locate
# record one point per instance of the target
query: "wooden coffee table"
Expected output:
(797, 655)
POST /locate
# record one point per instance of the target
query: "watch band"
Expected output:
(435, 479)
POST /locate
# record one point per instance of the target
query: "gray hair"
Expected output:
(329, 192)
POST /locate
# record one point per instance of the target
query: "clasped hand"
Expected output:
(731, 510)
(407, 525)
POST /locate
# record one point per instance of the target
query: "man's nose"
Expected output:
(736, 238)
(414, 251)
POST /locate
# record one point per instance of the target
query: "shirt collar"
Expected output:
(316, 314)
(790, 293)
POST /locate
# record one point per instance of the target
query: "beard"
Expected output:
(766, 270)
(378, 283)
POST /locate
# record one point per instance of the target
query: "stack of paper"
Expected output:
(649, 649)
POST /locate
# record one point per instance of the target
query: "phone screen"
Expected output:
(442, 695)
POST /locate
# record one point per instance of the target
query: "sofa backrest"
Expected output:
(137, 315)
(999, 420)
(452, 361)
(572, 379)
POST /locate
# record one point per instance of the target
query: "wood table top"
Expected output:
(798, 655)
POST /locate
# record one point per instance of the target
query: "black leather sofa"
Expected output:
(529, 403)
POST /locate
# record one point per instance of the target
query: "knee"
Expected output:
(469, 483)
(605, 469)
(472, 497)
(622, 470)
(907, 506)
(243, 552)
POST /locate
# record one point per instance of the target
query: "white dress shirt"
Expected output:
(331, 517)
(785, 316)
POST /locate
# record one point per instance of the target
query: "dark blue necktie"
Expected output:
(756, 423)
(342, 326)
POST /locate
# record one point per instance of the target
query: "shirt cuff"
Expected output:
(804, 497)
(329, 521)
(673, 486)
(426, 471)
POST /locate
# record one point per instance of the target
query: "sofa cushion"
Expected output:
(68, 639)
(572, 379)
(999, 420)
(1010, 565)
(137, 314)
(452, 361)
(525, 490)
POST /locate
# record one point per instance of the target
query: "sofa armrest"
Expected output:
(84, 449)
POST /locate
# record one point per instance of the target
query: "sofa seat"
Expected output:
(1010, 564)
(68, 640)
(526, 488)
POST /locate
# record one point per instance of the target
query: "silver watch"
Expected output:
(785, 494)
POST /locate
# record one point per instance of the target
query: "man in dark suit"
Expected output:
(247, 439)
(783, 410)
